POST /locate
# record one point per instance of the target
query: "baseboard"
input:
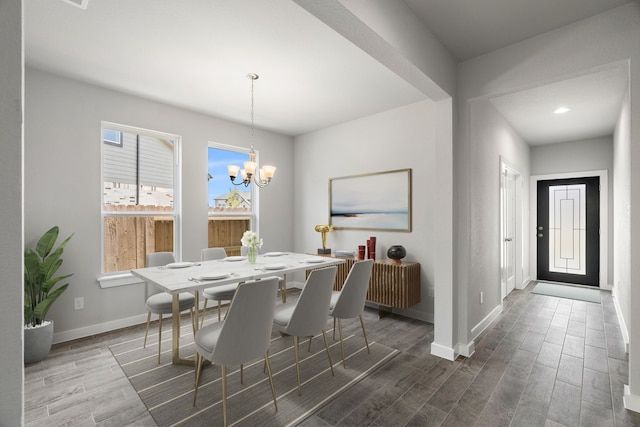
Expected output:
(606, 287)
(484, 323)
(444, 352)
(467, 350)
(623, 325)
(414, 314)
(295, 284)
(631, 401)
(99, 328)
(525, 283)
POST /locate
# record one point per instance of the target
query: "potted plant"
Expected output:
(40, 266)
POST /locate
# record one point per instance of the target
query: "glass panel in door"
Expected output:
(567, 229)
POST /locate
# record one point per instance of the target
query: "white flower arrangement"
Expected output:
(251, 240)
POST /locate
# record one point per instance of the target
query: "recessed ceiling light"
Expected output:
(561, 110)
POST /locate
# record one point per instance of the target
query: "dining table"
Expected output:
(193, 277)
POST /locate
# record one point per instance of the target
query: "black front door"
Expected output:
(568, 231)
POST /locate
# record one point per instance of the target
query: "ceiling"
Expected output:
(470, 28)
(196, 55)
(594, 100)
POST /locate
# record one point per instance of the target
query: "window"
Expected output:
(231, 207)
(110, 136)
(140, 201)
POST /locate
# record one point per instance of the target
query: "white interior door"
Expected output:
(508, 229)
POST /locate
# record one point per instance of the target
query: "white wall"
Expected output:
(577, 156)
(396, 139)
(594, 43)
(63, 186)
(622, 217)
(391, 34)
(11, 311)
(573, 156)
(492, 140)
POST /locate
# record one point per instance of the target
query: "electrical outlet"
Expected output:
(481, 297)
(78, 303)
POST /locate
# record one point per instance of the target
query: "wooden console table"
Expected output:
(390, 286)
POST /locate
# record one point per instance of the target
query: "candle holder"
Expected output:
(371, 247)
(323, 230)
(361, 252)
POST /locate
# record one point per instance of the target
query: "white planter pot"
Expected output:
(37, 342)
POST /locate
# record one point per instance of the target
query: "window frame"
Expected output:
(120, 278)
(255, 199)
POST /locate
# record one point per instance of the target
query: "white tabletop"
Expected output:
(175, 280)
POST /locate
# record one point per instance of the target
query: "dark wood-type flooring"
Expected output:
(545, 361)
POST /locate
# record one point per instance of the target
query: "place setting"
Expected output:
(209, 277)
(272, 266)
(274, 254)
(315, 260)
(182, 264)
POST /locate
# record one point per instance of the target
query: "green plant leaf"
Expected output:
(51, 264)
(31, 264)
(43, 306)
(46, 242)
(46, 286)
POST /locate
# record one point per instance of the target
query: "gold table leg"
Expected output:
(283, 290)
(175, 341)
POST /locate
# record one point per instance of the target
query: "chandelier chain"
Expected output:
(253, 78)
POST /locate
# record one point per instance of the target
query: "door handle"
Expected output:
(508, 239)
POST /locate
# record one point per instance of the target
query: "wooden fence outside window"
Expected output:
(128, 239)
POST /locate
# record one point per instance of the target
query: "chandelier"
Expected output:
(261, 178)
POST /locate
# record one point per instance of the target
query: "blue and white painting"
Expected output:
(379, 201)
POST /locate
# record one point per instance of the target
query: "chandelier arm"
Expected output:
(259, 182)
(244, 182)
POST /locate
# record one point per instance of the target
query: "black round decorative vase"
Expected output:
(396, 253)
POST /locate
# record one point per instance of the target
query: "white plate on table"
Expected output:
(179, 265)
(235, 258)
(274, 266)
(214, 276)
(275, 254)
(313, 260)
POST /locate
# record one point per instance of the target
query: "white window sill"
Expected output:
(113, 280)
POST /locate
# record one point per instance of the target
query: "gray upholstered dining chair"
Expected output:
(308, 315)
(158, 302)
(219, 293)
(240, 338)
(348, 303)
